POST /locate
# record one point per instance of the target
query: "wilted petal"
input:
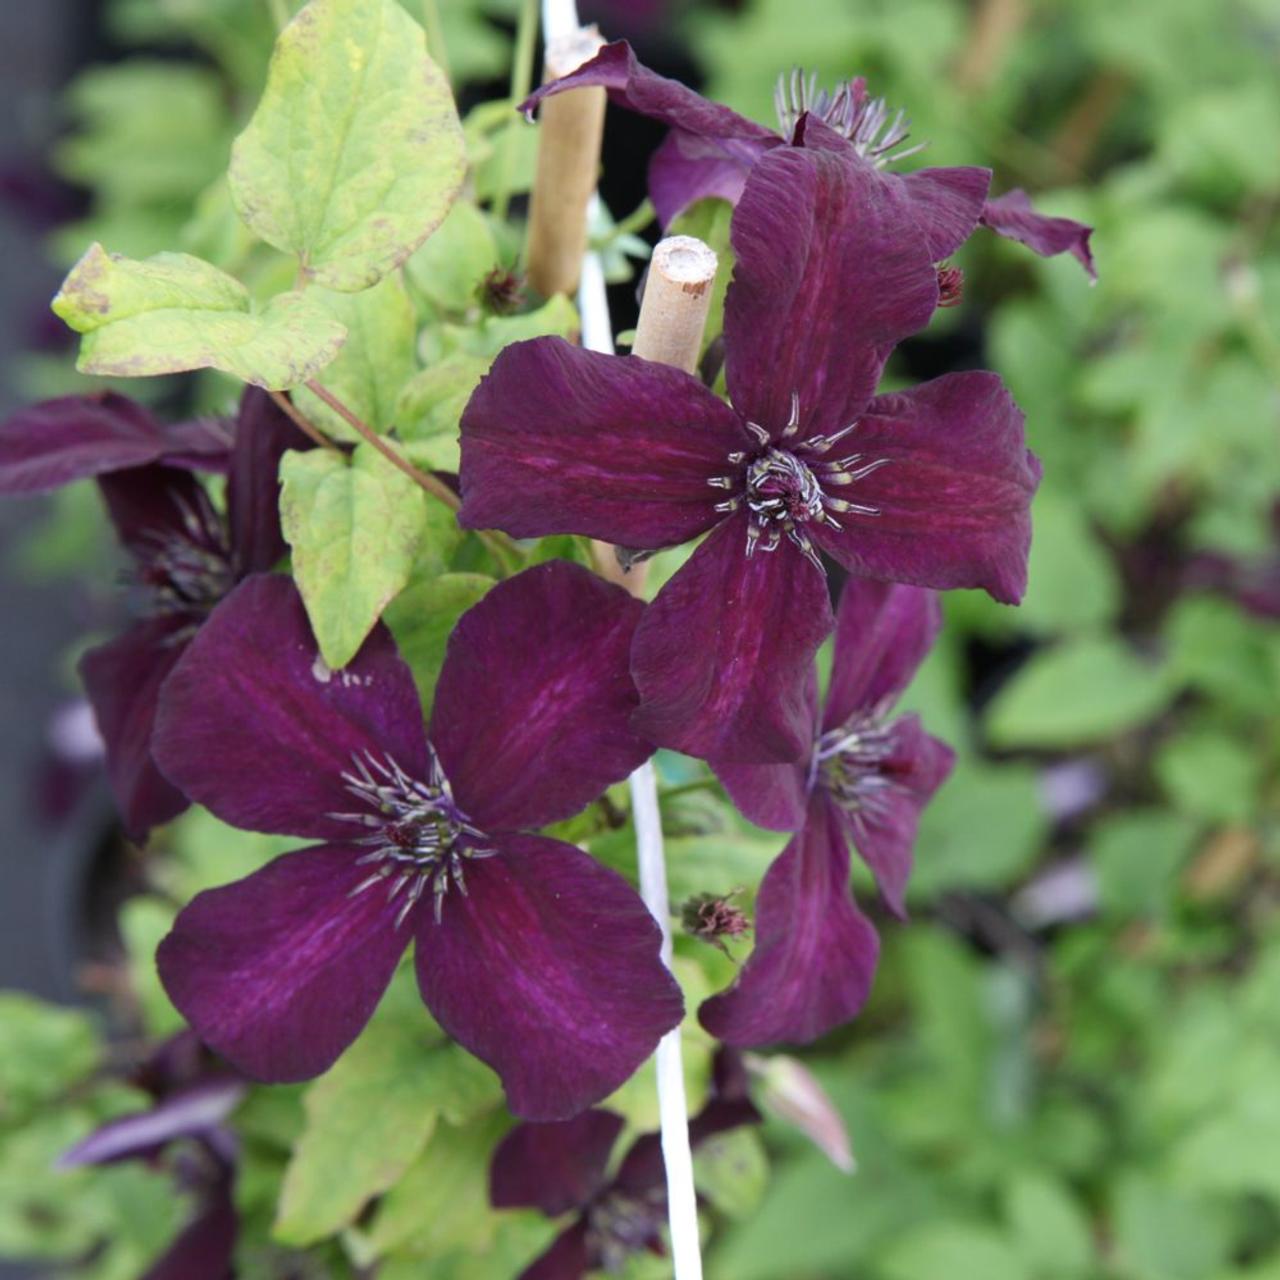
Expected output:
(256, 727)
(688, 167)
(569, 1257)
(954, 492)
(815, 952)
(722, 657)
(205, 1248)
(185, 1114)
(547, 969)
(946, 204)
(553, 1167)
(631, 85)
(883, 632)
(263, 434)
(883, 829)
(1012, 216)
(829, 275)
(556, 439)
(47, 445)
(532, 712)
(122, 679)
(280, 971)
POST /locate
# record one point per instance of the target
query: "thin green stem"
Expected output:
(521, 85)
(435, 36)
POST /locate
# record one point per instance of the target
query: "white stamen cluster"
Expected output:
(850, 764)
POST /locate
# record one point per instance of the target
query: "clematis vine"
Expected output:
(186, 1131)
(929, 486)
(562, 1168)
(534, 957)
(711, 150)
(863, 782)
(187, 554)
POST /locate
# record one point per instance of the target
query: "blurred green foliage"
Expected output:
(1069, 1067)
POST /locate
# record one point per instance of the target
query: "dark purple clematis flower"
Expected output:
(930, 486)
(711, 150)
(864, 781)
(537, 959)
(187, 553)
(185, 1130)
(563, 1168)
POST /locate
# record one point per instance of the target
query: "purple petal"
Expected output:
(883, 632)
(946, 204)
(547, 969)
(815, 952)
(1012, 216)
(157, 508)
(688, 167)
(631, 85)
(553, 1167)
(254, 726)
(200, 444)
(829, 275)
(204, 1248)
(953, 496)
(773, 795)
(560, 440)
(570, 1257)
(280, 971)
(186, 1114)
(263, 434)
(122, 679)
(533, 740)
(722, 657)
(50, 444)
(884, 833)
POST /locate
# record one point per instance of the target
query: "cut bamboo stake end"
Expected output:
(572, 127)
(673, 315)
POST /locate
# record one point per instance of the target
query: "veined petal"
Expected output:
(47, 445)
(883, 632)
(884, 830)
(688, 167)
(953, 493)
(722, 657)
(556, 439)
(1013, 216)
(253, 724)
(122, 679)
(830, 273)
(632, 85)
(263, 434)
(815, 952)
(532, 712)
(547, 968)
(946, 204)
(280, 971)
(773, 795)
(553, 1167)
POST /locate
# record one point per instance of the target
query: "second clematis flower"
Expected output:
(863, 782)
(930, 486)
(530, 954)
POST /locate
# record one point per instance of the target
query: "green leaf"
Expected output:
(448, 269)
(368, 1119)
(171, 313)
(708, 220)
(143, 922)
(354, 526)
(1051, 1230)
(557, 317)
(431, 406)
(422, 617)
(1077, 692)
(355, 151)
(375, 361)
(1072, 584)
(956, 1250)
(731, 1171)
(1163, 1234)
(1137, 855)
(1212, 775)
(46, 1050)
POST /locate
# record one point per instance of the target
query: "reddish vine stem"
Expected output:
(287, 407)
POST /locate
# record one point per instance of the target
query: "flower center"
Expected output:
(785, 485)
(619, 1226)
(187, 570)
(849, 111)
(850, 763)
(419, 839)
